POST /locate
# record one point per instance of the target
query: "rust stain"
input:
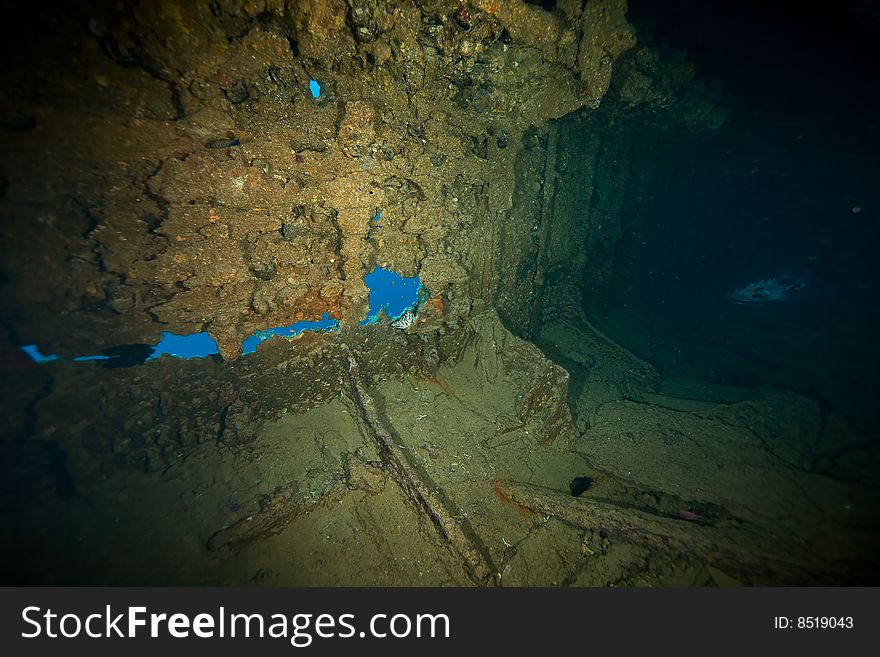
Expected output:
(444, 387)
(502, 495)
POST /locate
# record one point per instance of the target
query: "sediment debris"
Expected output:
(547, 400)
(456, 536)
(277, 510)
(744, 549)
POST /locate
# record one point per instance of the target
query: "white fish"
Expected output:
(768, 290)
(406, 320)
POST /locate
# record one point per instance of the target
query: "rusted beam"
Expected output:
(457, 536)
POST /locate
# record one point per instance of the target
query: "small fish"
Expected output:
(406, 320)
(223, 143)
(684, 514)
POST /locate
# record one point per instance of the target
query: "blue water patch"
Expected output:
(197, 345)
(391, 292)
(324, 324)
(32, 351)
(315, 88)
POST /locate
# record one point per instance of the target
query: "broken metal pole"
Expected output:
(457, 536)
(736, 549)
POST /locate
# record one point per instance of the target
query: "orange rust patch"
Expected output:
(502, 495)
(434, 307)
(444, 387)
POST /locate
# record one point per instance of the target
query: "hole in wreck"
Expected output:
(251, 343)
(36, 355)
(390, 294)
(196, 345)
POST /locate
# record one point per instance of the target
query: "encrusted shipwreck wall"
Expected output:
(169, 170)
(166, 168)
